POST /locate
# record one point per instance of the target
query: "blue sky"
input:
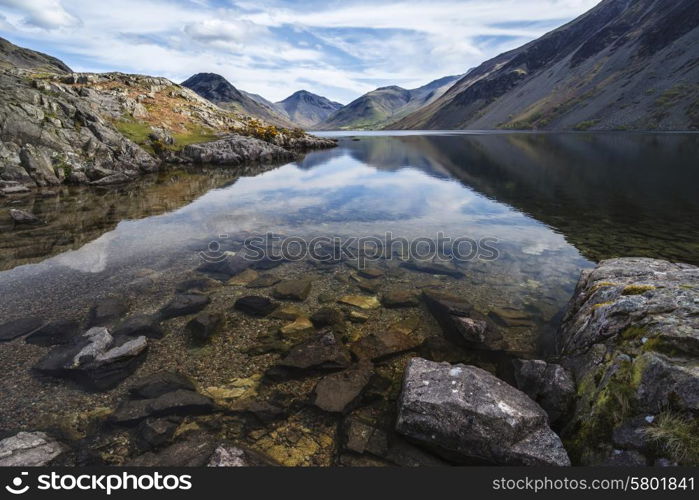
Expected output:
(340, 49)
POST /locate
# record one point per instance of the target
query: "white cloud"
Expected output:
(45, 14)
(275, 48)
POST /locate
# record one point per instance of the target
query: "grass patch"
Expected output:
(138, 132)
(677, 436)
(637, 289)
(194, 136)
(586, 125)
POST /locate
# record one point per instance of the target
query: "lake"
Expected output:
(539, 209)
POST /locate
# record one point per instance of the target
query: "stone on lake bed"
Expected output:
(204, 326)
(160, 383)
(238, 456)
(95, 359)
(370, 273)
(471, 416)
(287, 312)
(323, 352)
(360, 301)
(298, 326)
(399, 298)
(327, 316)
(197, 284)
(357, 317)
(19, 328)
(263, 281)
(106, 312)
(23, 217)
(54, 333)
(338, 392)
(293, 290)
(29, 449)
(242, 279)
(254, 305)
(179, 402)
(184, 304)
(147, 325)
(378, 346)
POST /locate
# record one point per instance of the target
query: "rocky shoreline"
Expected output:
(621, 389)
(106, 129)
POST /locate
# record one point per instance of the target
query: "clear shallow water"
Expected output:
(556, 203)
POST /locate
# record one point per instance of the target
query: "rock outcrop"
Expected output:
(631, 338)
(471, 416)
(29, 449)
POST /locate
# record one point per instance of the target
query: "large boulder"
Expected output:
(630, 337)
(468, 415)
(29, 449)
(232, 150)
(96, 360)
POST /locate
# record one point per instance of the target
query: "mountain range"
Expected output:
(624, 65)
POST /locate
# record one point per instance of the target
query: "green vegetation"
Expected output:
(586, 125)
(677, 436)
(194, 135)
(637, 289)
(138, 132)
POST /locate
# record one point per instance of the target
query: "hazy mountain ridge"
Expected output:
(622, 65)
(307, 109)
(386, 104)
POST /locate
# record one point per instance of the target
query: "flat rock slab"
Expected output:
(29, 449)
(380, 345)
(322, 353)
(19, 328)
(293, 290)
(160, 383)
(327, 316)
(184, 304)
(55, 333)
(263, 281)
(399, 298)
(360, 301)
(254, 305)
(471, 416)
(242, 279)
(179, 402)
(432, 267)
(338, 392)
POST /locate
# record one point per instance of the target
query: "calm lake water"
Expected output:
(555, 203)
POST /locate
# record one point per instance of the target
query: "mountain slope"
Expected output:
(221, 92)
(386, 104)
(307, 109)
(625, 64)
(17, 57)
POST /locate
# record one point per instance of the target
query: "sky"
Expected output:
(339, 49)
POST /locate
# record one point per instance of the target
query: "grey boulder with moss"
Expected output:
(630, 337)
(468, 415)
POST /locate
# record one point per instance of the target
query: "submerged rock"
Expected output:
(54, 333)
(399, 298)
(95, 360)
(255, 306)
(263, 281)
(184, 304)
(327, 316)
(360, 301)
(195, 451)
(160, 383)
(293, 290)
(433, 267)
(106, 312)
(146, 325)
(29, 449)
(204, 326)
(338, 392)
(23, 217)
(322, 353)
(238, 456)
(19, 328)
(461, 324)
(178, 402)
(469, 415)
(243, 278)
(379, 345)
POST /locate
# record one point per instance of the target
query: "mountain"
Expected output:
(308, 109)
(102, 128)
(625, 65)
(12, 56)
(221, 92)
(386, 104)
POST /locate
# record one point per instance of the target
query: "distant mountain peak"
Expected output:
(308, 109)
